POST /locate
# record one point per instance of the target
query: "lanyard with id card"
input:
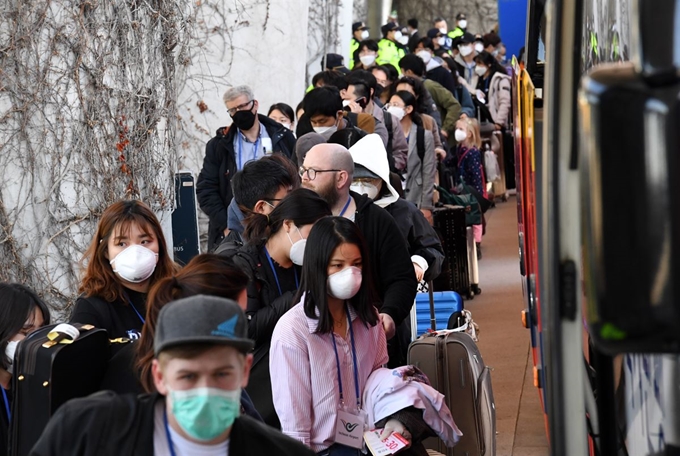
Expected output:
(351, 423)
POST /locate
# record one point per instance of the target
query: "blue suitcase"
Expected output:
(445, 304)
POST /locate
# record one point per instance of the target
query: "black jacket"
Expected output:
(421, 237)
(106, 424)
(264, 309)
(213, 187)
(389, 258)
(445, 78)
(118, 317)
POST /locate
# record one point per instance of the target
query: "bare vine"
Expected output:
(88, 116)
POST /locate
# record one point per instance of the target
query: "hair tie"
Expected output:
(175, 282)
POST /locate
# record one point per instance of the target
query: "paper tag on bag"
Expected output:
(349, 429)
(390, 445)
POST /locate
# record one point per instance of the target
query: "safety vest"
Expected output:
(455, 33)
(353, 46)
(388, 52)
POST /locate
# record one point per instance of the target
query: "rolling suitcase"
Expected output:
(473, 264)
(454, 366)
(52, 365)
(446, 304)
(449, 222)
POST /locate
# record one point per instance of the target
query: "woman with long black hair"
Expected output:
(21, 311)
(495, 85)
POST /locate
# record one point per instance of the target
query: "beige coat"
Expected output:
(500, 98)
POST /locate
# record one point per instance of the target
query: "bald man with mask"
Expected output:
(328, 170)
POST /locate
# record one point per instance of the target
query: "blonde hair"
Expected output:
(472, 126)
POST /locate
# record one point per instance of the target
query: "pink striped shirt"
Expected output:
(304, 373)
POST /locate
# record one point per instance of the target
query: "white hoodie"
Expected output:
(370, 152)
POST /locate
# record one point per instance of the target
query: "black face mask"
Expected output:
(244, 120)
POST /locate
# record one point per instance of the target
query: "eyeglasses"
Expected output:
(241, 107)
(311, 172)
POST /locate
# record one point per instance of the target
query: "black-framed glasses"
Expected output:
(241, 107)
(311, 172)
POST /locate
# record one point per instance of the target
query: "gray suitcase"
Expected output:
(452, 362)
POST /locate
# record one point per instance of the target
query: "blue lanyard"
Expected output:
(240, 149)
(167, 433)
(135, 309)
(354, 359)
(276, 276)
(6, 401)
(345, 208)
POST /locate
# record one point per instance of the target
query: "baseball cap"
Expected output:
(361, 172)
(432, 33)
(333, 61)
(466, 38)
(359, 26)
(202, 319)
(388, 27)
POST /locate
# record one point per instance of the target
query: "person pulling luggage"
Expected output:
(202, 363)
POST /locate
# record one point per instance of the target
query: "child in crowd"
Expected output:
(470, 168)
(127, 255)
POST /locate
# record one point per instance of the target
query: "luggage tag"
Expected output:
(350, 427)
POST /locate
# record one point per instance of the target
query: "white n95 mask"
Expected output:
(367, 60)
(10, 350)
(297, 249)
(345, 284)
(425, 56)
(135, 264)
(365, 188)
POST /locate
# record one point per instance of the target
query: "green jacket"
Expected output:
(353, 46)
(447, 105)
(389, 52)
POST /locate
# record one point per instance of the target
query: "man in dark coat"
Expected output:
(202, 362)
(251, 136)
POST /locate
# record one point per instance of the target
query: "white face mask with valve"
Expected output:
(345, 284)
(135, 264)
(297, 249)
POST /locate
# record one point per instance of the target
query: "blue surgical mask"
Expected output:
(205, 413)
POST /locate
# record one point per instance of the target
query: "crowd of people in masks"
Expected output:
(320, 230)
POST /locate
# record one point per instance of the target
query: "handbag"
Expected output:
(473, 211)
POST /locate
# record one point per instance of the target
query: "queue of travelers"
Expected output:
(320, 230)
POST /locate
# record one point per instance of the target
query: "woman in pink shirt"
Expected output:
(324, 349)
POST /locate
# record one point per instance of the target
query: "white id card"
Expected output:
(349, 429)
(267, 146)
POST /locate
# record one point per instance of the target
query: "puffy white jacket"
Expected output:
(500, 98)
(389, 390)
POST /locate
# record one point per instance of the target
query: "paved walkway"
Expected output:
(503, 341)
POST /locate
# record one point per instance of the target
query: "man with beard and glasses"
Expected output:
(328, 170)
(250, 137)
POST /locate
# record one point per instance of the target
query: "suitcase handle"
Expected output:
(433, 318)
(62, 334)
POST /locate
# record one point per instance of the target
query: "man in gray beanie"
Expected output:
(202, 362)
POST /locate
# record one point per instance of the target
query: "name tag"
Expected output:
(267, 146)
(349, 429)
